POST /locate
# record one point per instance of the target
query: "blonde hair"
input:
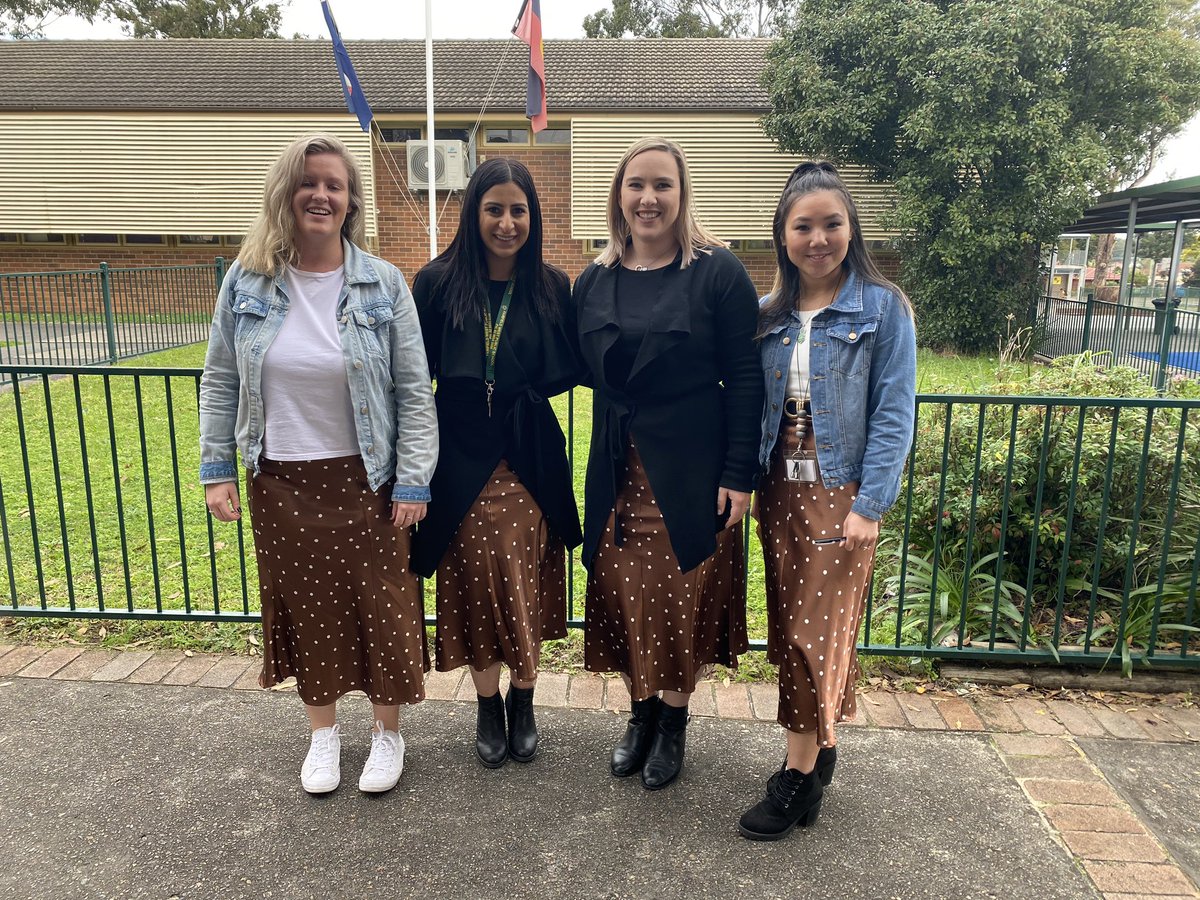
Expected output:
(690, 233)
(270, 243)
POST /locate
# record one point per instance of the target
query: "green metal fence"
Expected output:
(102, 315)
(1161, 339)
(1033, 528)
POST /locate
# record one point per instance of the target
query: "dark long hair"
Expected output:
(805, 179)
(464, 280)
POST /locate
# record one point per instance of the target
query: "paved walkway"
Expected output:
(140, 774)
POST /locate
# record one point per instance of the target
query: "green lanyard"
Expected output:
(491, 339)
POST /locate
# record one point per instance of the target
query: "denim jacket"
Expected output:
(390, 390)
(863, 360)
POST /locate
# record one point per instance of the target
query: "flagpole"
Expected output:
(430, 156)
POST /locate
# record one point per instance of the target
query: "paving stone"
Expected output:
(190, 670)
(1070, 817)
(443, 685)
(959, 714)
(703, 703)
(18, 659)
(1076, 719)
(997, 715)
(885, 711)
(86, 664)
(1135, 877)
(1187, 720)
(1035, 716)
(248, 681)
(1076, 769)
(552, 689)
(1111, 896)
(1119, 724)
(733, 701)
(920, 711)
(154, 668)
(123, 665)
(764, 698)
(1114, 847)
(466, 690)
(586, 692)
(616, 695)
(50, 662)
(5, 648)
(227, 671)
(1083, 793)
(1158, 726)
(1035, 745)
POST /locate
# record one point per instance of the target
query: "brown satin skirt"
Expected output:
(661, 627)
(502, 585)
(341, 611)
(815, 596)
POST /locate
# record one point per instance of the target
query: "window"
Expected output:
(199, 240)
(452, 134)
(154, 239)
(233, 240)
(9, 238)
(753, 246)
(41, 237)
(506, 136)
(595, 245)
(558, 136)
(97, 239)
(400, 135)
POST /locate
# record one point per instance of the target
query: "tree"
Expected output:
(995, 122)
(149, 18)
(684, 18)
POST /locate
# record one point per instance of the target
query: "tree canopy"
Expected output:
(149, 18)
(683, 18)
(995, 122)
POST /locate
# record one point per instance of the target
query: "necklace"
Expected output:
(832, 296)
(653, 264)
(491, 339)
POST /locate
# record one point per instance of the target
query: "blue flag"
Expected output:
(356, 102)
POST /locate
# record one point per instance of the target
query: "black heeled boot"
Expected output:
(522, 729)
(490, 741)
(826, 760)
(629, 755)
(793, 798)
(664, 762)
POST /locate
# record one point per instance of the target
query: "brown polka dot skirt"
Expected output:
(341, 611)
(661, 627)
(815, 596)
(502, 585)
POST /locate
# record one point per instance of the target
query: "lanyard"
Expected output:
(491, 338)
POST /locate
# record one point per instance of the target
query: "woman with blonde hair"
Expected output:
(666, 321)
(316, 381)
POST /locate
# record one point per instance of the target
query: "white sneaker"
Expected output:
(385, 763)
(322, 769)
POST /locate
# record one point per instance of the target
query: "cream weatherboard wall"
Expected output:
(737, 173)
(156, 173)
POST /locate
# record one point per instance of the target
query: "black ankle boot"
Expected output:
(630, 754)
(792, 799)
(664, 762)
(490, 742)
(826, 760)
(522, 729)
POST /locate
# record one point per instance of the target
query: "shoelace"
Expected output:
(782, 793)
(383, 752)
(322, 752)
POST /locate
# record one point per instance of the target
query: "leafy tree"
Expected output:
(995, 121)
(28, 18)
(684, 18)
(149, 18)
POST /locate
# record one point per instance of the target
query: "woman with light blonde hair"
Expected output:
(666, 320)
(316, 382)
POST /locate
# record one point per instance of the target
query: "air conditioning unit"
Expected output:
(449, 165)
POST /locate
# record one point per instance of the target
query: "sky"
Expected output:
(405, 19)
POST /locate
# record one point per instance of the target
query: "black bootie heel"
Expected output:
(664, 762)
(490, 741)
(629, 755)
(522, 728)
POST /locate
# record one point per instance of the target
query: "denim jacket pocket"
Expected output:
(373, 328)
(249, 313)
(850, 346)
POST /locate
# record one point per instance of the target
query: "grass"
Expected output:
(154, 546)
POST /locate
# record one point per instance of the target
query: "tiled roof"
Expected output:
(299, 75)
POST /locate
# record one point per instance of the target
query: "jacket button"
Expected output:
(786, 341)
(371, 321)
(345, 319)
(242, 305)
(363, 410)
(854, 335)
(778, 374)
(370, 448)
(358, 364)
(774, 406)
(771, 434)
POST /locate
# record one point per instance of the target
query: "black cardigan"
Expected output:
(693, 401)
(536, 359)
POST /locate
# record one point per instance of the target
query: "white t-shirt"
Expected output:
(798, 368)
(306, 395)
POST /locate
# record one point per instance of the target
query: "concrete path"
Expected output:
(116, 782)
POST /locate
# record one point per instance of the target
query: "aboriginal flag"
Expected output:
(529, 30)
(355, 100)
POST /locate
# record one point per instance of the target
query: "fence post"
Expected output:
(1164, 348)
(1087, 323)
(219, 268)
(109, 324)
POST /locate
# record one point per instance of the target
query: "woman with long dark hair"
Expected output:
(839, 360)
(499, 335)
(666, 321)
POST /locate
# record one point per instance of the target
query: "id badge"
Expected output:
(801, 468)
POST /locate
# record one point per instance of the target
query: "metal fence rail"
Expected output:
(1034, 528)
(102, 315)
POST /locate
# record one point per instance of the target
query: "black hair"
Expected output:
(805, 179)
(464, 280)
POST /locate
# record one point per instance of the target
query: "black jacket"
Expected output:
(536, 360)
(693, 400)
